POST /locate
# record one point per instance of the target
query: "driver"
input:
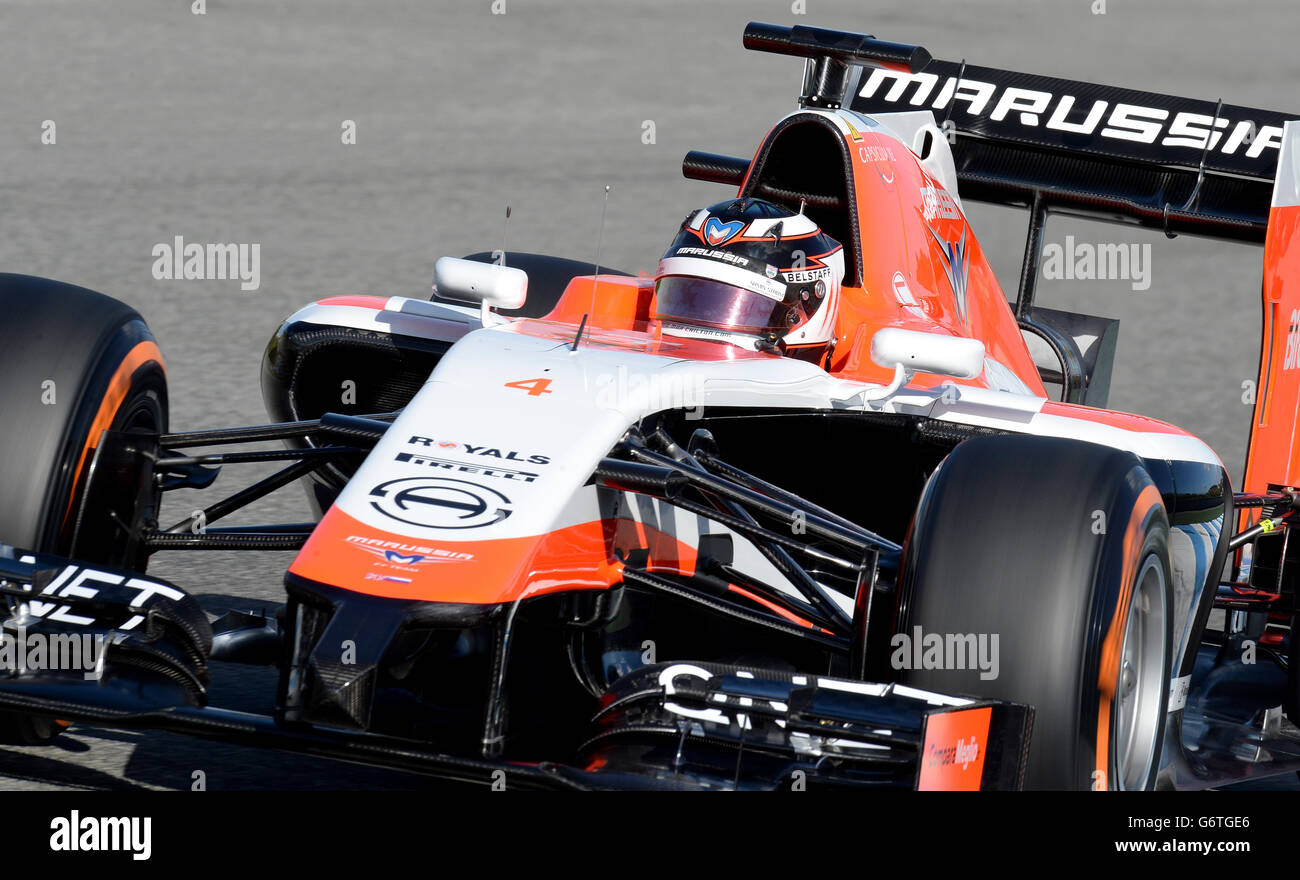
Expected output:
(755, 274)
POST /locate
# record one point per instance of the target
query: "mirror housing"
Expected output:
(503, 287)
(913, 351)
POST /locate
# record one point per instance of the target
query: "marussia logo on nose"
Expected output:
(403, 560)
(406, 554)
(718, 232)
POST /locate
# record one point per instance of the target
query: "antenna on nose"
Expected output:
(595, 282)
(504, 228)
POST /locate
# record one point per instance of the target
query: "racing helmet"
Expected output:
(753, 273)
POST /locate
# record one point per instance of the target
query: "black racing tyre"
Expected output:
(547, 278)
(1059, 548)
(74, 364)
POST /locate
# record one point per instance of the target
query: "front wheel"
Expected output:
(1049, 559)
(75, 363)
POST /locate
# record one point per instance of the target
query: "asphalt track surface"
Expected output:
(226, 127)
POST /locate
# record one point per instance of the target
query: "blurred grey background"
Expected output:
(226, 127)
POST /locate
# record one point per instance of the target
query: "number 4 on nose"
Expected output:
(534, 387)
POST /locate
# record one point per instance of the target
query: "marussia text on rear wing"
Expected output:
(1177, 164)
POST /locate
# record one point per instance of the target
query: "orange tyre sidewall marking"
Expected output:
(118, 388)
(1112, 646)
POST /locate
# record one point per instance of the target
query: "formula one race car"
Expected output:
(798, 511)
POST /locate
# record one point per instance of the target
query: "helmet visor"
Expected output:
(706, 303)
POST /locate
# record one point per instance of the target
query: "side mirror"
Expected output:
(913, 351)
(487, 283)
(909, 351)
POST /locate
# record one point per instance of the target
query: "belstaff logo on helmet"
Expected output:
(754, 274)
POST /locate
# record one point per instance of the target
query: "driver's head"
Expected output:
(751, 273)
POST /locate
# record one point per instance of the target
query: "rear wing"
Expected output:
(1177, 164)
(1180, 165)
